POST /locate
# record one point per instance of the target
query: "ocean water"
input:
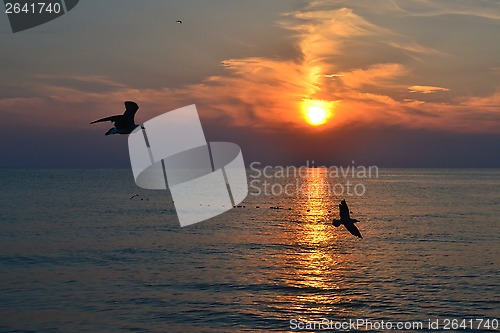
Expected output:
(77, 254)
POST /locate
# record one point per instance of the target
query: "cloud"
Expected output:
(375, 75)
(343, 57)
(414, 47)
(488, 9)
(426, 89)
(495, 70)
(96, 80)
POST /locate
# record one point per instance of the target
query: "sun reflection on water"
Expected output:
(317, 231)
(312, 266)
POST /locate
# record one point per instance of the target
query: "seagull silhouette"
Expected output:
(346, 220)
(124, 124)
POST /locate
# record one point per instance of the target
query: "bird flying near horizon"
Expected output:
(124, 123)
(346, 220)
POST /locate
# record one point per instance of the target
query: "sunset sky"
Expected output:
(405, 83)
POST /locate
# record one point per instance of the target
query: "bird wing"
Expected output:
(352, 229)
(344, 210)
(130, 110)
(110, 118)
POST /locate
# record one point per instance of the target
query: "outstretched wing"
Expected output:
(352, 229)
(130, 110)
(344, 210)
(110, 118)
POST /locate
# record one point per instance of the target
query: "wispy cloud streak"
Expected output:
(347, 54)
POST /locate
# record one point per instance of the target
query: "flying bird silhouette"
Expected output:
(346, 220)
(124, 124)
(178, 21)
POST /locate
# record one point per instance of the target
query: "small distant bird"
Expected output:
(125, 123)
(178, 21)
(346, 220)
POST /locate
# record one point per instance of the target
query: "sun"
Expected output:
(316, 115)
(317, 112)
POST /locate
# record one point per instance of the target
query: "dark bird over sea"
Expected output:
(123, 124)
(346, 220)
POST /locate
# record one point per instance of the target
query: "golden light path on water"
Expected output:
(99, 261)
(313, 262)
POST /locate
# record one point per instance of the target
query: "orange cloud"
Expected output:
(376, 75)
(426, 89)
(366, 88)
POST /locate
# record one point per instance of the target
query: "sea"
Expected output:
(89, 251)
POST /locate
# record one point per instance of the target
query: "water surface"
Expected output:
(78, 255)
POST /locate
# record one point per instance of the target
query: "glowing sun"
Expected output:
(317, 112)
